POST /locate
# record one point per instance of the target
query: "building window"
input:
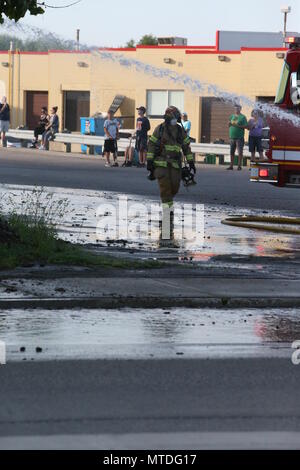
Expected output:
(159, 100)
(76, 105)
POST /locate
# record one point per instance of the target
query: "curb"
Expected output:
(111, 303)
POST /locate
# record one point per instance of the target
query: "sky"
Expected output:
(113, 23)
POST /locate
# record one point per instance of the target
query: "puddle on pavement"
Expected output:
(79, 222)
(156, 333)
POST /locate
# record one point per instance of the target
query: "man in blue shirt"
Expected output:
(111, 130)
(187, 125)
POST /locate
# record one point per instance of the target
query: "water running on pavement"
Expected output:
(156, 333)
(79, 222)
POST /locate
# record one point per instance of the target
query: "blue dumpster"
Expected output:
(92, 126)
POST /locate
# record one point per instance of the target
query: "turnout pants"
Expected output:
(169, 179)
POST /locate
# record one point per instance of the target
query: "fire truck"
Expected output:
(281, 139)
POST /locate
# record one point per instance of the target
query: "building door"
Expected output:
(35, 100)
(76, 105)
(215, 118)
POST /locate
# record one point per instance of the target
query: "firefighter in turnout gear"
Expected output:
(164, 158)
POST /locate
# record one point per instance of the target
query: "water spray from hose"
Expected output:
(196, 86)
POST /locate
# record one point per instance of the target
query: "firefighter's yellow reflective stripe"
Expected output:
(164, 164)
(161, 163)
(187, 140)
(150, 156)
(168, 205)
(173, 148)
(153, 139)
(190, 157)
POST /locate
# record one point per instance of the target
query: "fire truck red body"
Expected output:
(281, 138)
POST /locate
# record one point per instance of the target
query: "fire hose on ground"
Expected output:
(265, 223)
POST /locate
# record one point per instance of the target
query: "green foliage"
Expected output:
(148, 40)
(131, 44)
(43, 44)
(16, 9)
(39, 244)
(5, 40)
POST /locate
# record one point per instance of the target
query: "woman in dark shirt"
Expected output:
(40, 128)
(4, 120)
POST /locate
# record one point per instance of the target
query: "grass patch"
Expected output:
(37, 243)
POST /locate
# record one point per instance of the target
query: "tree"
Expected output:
(131, 44)
(43, 43)
(148, 40)
(16, 9)
(5, 40)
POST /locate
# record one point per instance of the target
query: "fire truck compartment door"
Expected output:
(292, 155)
(289, 155)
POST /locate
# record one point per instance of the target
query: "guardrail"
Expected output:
(93, 140)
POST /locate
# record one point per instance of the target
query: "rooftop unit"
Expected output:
(235, 40)
(172, 41)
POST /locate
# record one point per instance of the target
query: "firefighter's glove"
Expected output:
(192, 167)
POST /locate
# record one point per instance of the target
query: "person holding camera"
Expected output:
(4, 120)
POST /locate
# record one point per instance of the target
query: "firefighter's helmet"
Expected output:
(173, 112)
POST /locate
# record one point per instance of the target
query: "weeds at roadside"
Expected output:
(28, 235)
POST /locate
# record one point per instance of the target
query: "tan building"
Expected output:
(83, 83)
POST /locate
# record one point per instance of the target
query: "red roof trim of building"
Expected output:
(175, 47)
(25, 52)
(118, 49)
(212, 52)
(262, 49)
(54, 51)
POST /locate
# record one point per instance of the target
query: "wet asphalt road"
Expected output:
(214, 379)
(183, 395)
(171, 396)
(215, 184)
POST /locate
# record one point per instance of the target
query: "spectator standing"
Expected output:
(237, 125)
(4, 120)
(51, 129)
(142, 129)
(42, 124)
(256, 124)
(111, 130)
(187, 125)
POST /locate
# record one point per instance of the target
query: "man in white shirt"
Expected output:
(186, 124)
(111, 130)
